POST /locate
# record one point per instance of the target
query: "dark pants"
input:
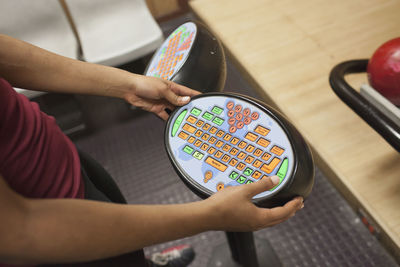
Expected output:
(100, 186)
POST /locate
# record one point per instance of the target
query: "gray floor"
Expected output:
(129, 144)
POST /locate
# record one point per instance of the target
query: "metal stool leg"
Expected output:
(243, 248)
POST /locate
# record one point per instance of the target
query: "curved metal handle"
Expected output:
(374, 117)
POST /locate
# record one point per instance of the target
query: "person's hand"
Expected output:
(155, 95)
(233, 210)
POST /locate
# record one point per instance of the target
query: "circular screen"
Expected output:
(218, 141)
(173, 53)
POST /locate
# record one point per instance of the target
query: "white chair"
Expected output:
(114, 32)
(41, 23)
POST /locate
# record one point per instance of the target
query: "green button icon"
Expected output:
(233, 175)
(195, 111)
(283, 169)
(248, 171)
(282, 172)
(217, 110)
(198, 155)
(208, 116)
(218, 121)
(178, 122)
(241, 179)
(249, 182)
(188, 150)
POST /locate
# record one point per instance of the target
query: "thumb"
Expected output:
(174, 98)
(262, 185)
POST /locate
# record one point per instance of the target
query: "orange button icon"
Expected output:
(254, 115)
(220, 186)
(232, 129)
(207, 176)
(268, 168)
(247, 120)
(238, 108)
(261, 130)
(277, 150)
(250, 136)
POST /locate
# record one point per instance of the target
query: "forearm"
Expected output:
(30, 67)
(80, 230)
(71, 230)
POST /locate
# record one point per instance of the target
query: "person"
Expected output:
(45, 214)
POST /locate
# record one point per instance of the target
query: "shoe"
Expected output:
(179, 256)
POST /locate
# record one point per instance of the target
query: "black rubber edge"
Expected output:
(205, 68)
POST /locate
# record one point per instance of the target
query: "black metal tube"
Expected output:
(243, 248)
(373, 116)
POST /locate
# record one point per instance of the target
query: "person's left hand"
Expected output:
(155, 95)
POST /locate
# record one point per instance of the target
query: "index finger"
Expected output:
(263, 185)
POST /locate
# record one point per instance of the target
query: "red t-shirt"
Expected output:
(36, 159)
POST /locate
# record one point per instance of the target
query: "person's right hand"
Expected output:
(232, 209)
(155, 95)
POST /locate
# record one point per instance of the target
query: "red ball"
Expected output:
(384, 70)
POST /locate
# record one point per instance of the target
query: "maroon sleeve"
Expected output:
(36, 158)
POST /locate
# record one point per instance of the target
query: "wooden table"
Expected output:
(286, 49)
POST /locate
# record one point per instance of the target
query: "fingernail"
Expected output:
(302, 206)
(275, 180)
(185, 99)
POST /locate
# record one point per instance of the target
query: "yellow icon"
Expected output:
(207, 176)
(220, 186)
